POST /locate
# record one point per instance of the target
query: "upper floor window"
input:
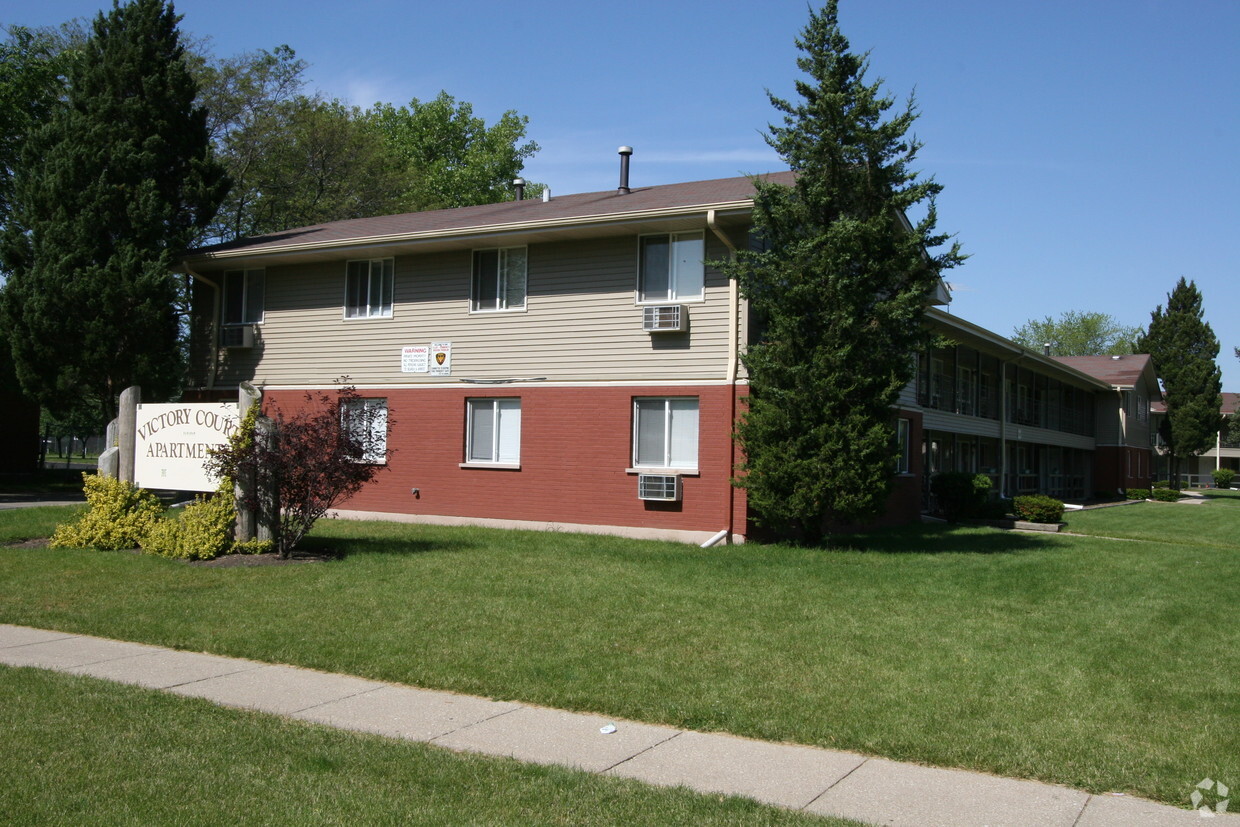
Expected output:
(499, 279)
(672, 267)
(368, 288)
(243, 296)
(665, 433)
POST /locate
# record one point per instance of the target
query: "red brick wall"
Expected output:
(575, 446)
(1122, 467)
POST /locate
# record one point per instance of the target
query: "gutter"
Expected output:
(214, 339)
(481, 229)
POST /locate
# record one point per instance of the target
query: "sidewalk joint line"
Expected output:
(337, 700)
(209, 677)
(676, 734)
(1089, 797)
(865, 760)
(476, 723)
(41, 642)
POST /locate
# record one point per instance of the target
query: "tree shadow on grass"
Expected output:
(937, 538)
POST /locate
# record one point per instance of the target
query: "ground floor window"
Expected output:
(367, 423)
(665, 432)
(494, 431)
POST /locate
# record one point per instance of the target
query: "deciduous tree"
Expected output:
(449, 157)
(117, 182)
(1183, 348)
(839, 288)
(1078, 333)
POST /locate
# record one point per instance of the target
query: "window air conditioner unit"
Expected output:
(659, 487)
(665, 318)
(237, 336)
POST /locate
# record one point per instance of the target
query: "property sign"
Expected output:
(441, 358)
(172, 441)
(415, 359)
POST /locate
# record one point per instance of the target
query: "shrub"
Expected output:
(960, 494)
(995, 509)
(1162, 484)
(119, 516)
(1138, 493)
(322, 453)
(1165, 495)
(1038, 508)
(1223, 477)
(203, 531)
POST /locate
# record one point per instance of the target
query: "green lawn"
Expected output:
(151, 758)
(1096, 663)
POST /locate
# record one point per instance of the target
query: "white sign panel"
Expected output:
(172, 441)
(415, 359)
(441, 358)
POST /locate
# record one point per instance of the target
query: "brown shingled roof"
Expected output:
(1114, 370)
(564, 208)
(1231, 404)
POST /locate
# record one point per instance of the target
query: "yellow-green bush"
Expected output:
(203, 532)
(119, 516)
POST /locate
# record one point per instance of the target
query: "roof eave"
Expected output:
(725, 207)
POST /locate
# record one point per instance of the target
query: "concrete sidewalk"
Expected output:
(815, 780)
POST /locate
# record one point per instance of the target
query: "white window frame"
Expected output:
(504, 450)
(377, 444)
(695, 268)
(253, 292)
(669, 404)
(508, 261)
(367, 306)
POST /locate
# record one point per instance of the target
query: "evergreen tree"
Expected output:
(839, 287)
(109, 190)
(1183, 348)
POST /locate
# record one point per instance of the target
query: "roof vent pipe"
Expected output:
(1046, 348)
(625, 152)
(519, 183)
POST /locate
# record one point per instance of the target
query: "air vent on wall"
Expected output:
(662, 487)
(237, 336)
(665, 318)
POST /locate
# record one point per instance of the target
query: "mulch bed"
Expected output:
(38, 543)
(227, 561)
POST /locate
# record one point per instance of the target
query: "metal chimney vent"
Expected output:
(625, 153)
(519, 183)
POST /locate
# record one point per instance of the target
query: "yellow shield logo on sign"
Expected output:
(439, 357)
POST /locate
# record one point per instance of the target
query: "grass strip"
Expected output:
(84, 751)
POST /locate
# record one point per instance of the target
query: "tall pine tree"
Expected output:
(840, 287)
(107, 193)
(1183, 348)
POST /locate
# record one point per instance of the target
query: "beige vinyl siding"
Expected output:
(908, 396)
(581, 322)
(933, 420)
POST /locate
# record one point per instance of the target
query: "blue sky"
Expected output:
(1088, 150)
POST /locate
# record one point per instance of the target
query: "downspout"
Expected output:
(1003, 417)
(215, 322)
(734, 326)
